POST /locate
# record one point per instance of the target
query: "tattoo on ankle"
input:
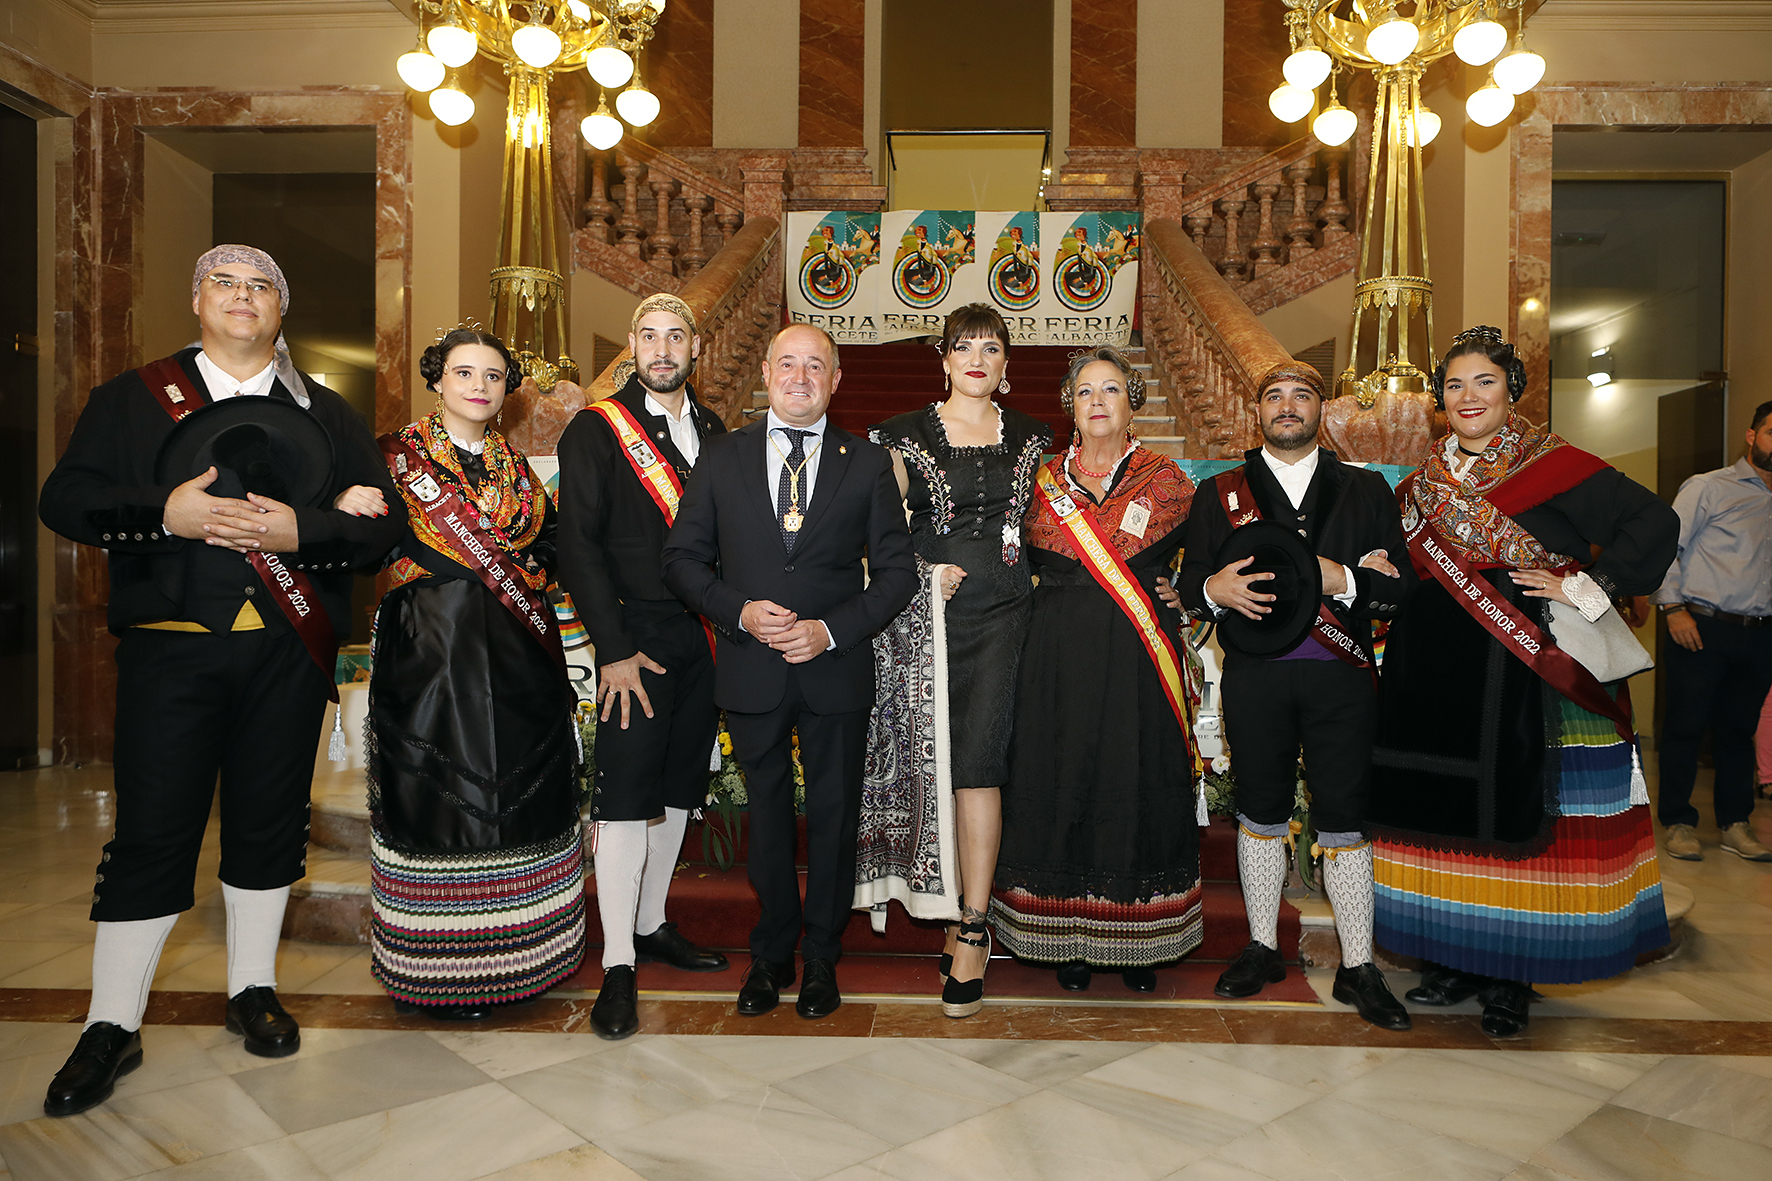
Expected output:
(971, 914)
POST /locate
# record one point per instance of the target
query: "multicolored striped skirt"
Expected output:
(1583, 909)
(477, 927)
(1096, 931)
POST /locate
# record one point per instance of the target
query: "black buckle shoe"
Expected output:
(1255, 967)
(818, 990)
(1441, 986)
(1507, 1007)
(761, 990)
(1140, 979)
(666, 946)
(1365, 988)
(1074, 976)
(616, 1015)
(104, 1054)
(257, 1015)
(450, 1012)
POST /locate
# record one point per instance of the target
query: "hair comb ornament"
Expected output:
(1480, 334)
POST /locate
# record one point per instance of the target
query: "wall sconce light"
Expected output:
(1600, 367)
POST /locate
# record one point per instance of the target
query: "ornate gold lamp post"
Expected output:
(1397, 40)
(533, 41)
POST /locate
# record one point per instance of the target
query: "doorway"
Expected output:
(18, 441)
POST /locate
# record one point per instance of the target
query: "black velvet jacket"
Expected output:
(611, 530)
(102, 493)
(1347, 512)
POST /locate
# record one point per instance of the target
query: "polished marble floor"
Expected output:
(1665, 1072)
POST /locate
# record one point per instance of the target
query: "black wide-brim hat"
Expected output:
(256, 444)
(1297, 583)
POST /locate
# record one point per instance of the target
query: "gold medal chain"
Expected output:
(794, 475)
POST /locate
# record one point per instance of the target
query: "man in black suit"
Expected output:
(212, 674)
(1318, 695)
(623, 462)
(770, 544)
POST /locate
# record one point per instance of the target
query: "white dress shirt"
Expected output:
(781, 444)
(682, 428)
(222, 386)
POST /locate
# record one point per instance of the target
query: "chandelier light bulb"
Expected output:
(1307, 68)
(1489, 106)
(657, 7)
(601, 129)
(451, 105)
(579, 9)
(638, 105)
(1335, 126)
(609, 66)
(1519, 71)
(537, 45)
(1427, 125)
(1290, 103)
(1477, 43)
(420, 70)
(452, 45)
(1392, 41)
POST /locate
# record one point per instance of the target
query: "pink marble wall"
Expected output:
(831, 36)
(680, 70)
(1255, 43)
(1104, 73)
(1591, 105)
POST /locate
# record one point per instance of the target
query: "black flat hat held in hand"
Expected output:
(1297, 585)
(263, 445)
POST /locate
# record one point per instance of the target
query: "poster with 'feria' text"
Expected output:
(1057, 278)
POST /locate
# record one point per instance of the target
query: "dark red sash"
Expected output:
(472, 546)
(291, 590)
(1240, 509)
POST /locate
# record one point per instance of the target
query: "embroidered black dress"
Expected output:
(967, 505)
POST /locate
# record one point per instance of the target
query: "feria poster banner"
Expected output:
(1057, 278)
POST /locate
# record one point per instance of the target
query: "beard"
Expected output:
(1289, 434)
(668, 384)
(1760, 459)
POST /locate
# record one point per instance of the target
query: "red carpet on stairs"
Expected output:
(881, 380)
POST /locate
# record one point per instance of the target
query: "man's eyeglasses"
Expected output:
(229, 283)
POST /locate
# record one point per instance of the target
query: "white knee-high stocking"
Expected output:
(1347, 876)
(124, 956)
(620, 863)
(1261, 863)
(255, 924)
(664, 843)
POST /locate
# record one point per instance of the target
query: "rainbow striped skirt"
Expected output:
(1584, 908)
(482, 927)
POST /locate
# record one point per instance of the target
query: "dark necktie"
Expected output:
(785, 500)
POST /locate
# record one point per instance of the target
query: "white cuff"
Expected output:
(832, 646)
(1346, 599)
(1587, 596)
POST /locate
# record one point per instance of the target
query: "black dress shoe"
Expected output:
(818, 990)
(445, 1012)
(615, 1015)
(666, 946)
(104, 1054)
(1506, 1007)
(1364, 988)
(269, 1031)
(761, 990)
(1140, 979)
(1074, 976)
(1441, 986)
(1255, 967)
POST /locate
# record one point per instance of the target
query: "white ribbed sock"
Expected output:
(124, 956)
(1261, 863)
(255, 924)
(620, 860)
(1347, 876)
(664, 843)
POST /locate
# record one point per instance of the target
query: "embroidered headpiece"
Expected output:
(662, 301)
(1300, 371)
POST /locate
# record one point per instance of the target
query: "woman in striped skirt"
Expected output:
(477, 879)
(1512, 836)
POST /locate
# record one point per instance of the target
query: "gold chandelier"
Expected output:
(1397, 46)
(533, 40)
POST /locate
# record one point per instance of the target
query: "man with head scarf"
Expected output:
(623, 463)
(1309, 688)
(228, 611)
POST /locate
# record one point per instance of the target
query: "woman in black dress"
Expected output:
(1100, 860)
(966, 467)
(477, 880)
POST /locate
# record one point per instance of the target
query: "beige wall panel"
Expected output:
(178, 221)
(436, 240)
(1748, 299)
(966, 172)
(1314, 317)
(1650, 55)
(756, 74)
(596, 307)
(49, 33)
(268, 59)
(1488, 210)
(1181, 74)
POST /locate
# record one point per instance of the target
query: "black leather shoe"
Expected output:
(1140, 979)
(818, 990)
(1441, 986)
(616, 1015)
(445, 1012)
(1255, 967)
(1074, 976)
(666, 946)
(1506, 1007)
(257, 1015)
(104, 1054)
(761, 990)
(1364, 988)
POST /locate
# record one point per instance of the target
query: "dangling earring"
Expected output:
(1003, 386)
(944, 381)
(1131, 439)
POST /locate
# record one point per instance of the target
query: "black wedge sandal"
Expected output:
(962, 998)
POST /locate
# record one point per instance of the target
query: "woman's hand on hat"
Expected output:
(361, 500)
(1233, 590)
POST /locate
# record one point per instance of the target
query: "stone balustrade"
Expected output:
(660, 208)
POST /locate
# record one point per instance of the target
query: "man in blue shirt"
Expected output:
(1717, 601)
